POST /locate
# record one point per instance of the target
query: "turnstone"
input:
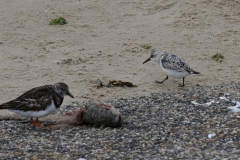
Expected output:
(172, 65)
(39, 101)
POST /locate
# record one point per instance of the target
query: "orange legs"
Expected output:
(38, 123)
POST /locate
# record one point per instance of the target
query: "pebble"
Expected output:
(164, 125)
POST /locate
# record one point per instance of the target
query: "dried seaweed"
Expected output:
(112, 83)
(218, 57)
(59, 20)
(145, 46)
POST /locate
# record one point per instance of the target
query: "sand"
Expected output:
(103, 40)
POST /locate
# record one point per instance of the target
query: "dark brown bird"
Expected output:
(39, 101)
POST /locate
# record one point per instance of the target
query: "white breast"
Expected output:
(174, 73)
(36, 114)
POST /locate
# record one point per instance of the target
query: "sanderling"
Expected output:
(39, 101)
(172, 65)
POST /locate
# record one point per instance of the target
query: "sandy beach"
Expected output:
(103, 38)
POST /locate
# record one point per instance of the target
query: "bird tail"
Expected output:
(194, 72)
(3, 107)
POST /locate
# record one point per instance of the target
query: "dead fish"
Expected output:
(95, 112)
(98, 112)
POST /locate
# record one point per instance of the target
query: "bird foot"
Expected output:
(181, 85)
(49, 127)
(160, 82)
(37, 125)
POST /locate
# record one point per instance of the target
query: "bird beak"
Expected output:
(147, 60)
(69, 94)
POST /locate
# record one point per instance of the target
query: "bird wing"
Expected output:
(174, 62)
(36, 99)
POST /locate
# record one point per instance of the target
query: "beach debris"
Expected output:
(59, 20)
(70, 61)
(236, 108)
(218, 57)
(95, 112)
(122, 84)
(100, 84)
(112, 83)
(145, 46)
(211, 135)
(98, 112)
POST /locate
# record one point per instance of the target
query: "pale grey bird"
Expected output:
(172, 65)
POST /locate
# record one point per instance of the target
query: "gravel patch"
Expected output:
(190, 123)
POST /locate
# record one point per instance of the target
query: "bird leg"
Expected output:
(162, 81)
(33, 122)
(182, 85)
(36, 125)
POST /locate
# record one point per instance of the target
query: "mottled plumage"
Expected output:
(172, 65)
(39, 101)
